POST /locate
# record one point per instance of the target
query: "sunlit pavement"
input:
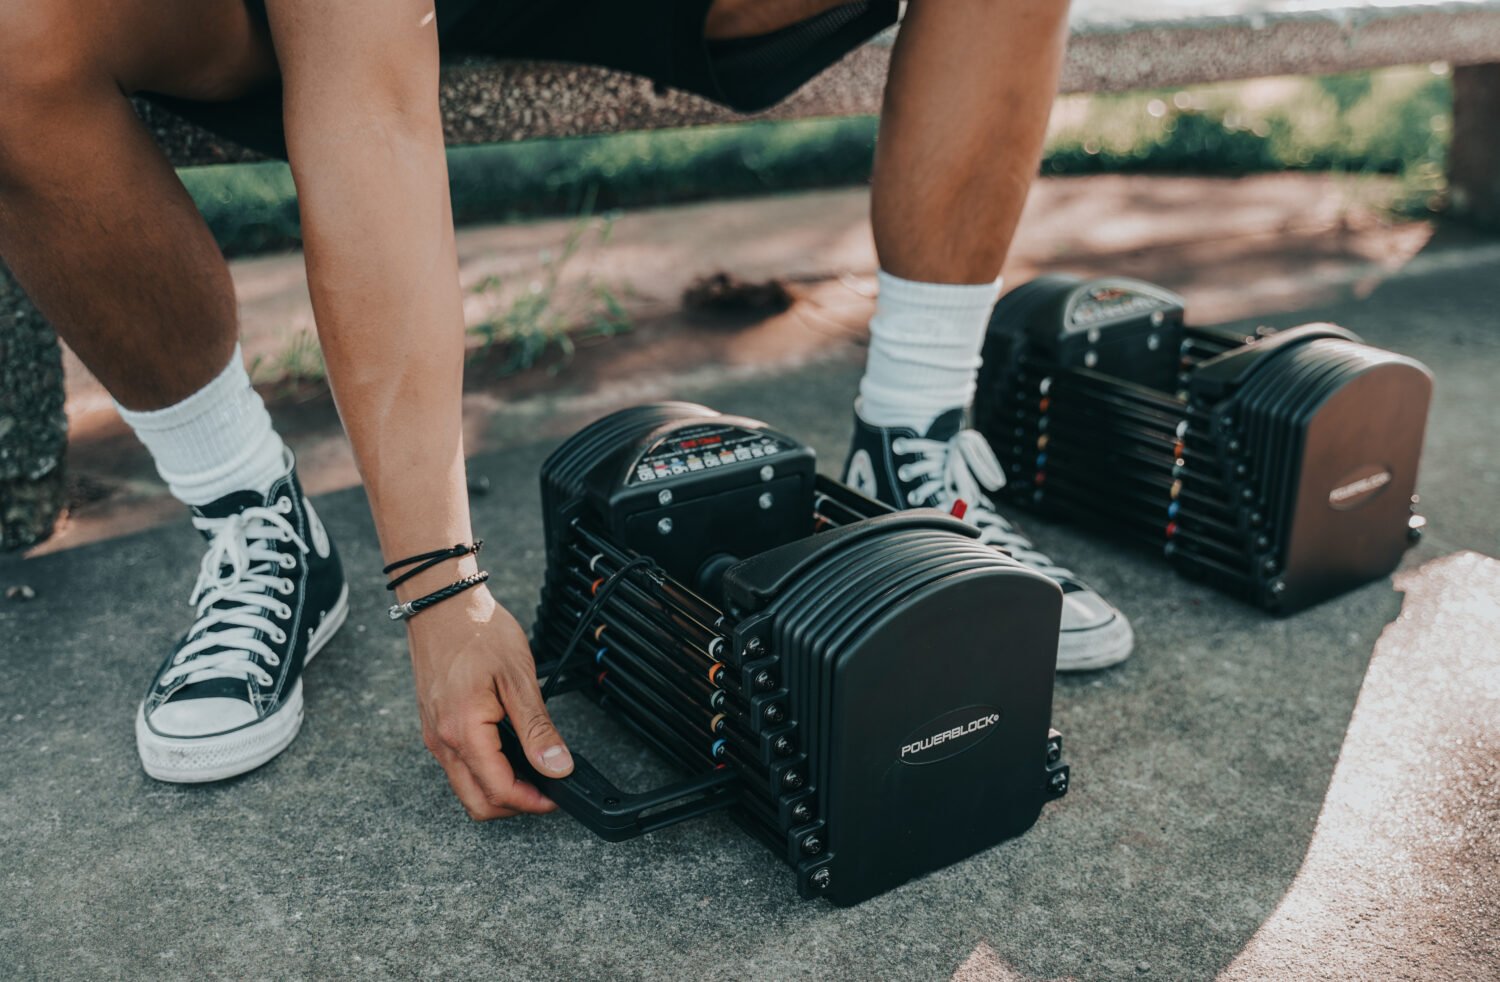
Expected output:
(1312, 797)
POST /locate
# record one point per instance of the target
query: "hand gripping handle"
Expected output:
(616, 815)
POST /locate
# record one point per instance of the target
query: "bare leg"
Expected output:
(966, 107)
(93, 221)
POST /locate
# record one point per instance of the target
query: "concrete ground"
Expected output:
(1313, 797)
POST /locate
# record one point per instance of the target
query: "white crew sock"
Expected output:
(924, 350)
(217, 440)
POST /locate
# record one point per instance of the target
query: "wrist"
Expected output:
(439, 576)
(435, 630)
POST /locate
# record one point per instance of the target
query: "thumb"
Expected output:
(539, 737)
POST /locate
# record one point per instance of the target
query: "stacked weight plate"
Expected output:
(1280, 467)
(867, 692)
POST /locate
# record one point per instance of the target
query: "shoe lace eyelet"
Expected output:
(284, 505)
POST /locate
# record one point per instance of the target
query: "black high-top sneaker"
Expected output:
(270, 594)
(952, 468)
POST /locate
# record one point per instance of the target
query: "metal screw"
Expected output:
(767, 472)
(1090, 359)
(773, 712)
(782, 746)
(821, 878)
(1058, 781)
(764, 680)
(766, 501)
(801, 812)
(1153, 342)
(664, 526)
(791, 780)
(664, 497)
(812, 845)
(1278, 587)
(1157, 319)
(1054, 751)
(753, 646)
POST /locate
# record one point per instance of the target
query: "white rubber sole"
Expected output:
(1089, 651)
(195, 760)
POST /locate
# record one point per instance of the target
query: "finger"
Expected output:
(470, 794)
(529, 718)
(480, 754)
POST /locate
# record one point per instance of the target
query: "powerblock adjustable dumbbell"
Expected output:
(1280, 466)
(867, 692)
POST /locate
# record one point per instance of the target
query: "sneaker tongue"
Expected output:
(231, 504)
(946, 426)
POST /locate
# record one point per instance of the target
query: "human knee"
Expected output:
(43, 56)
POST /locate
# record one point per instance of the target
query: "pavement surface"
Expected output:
(1310, 797)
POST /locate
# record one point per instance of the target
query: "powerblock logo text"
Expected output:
(949, 734)
(1358, 487)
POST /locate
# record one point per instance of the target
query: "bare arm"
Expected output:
(366, 146)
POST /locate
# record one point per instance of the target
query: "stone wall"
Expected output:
(33, 427)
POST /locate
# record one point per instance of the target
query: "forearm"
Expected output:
(390, 318)
(372, 184)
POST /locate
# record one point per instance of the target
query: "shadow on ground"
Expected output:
(1200, 771)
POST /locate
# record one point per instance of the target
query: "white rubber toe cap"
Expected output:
(1094, 634)
(201, 717)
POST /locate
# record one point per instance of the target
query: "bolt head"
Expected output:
(664, 526)
(801, 812)
(767, 472)
(812, 845)
(664, 497)
(766, 501)
(821, 878)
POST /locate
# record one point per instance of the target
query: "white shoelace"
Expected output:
(964, 469)
(239, 588)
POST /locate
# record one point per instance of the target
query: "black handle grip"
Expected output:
(752, 583)
(616, 815)
(1222, 374)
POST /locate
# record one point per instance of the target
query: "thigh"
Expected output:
(203, 50)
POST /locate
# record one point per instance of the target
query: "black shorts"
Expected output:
(659, 39)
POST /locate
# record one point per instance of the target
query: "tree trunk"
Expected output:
(1474, 160)
(33, 426)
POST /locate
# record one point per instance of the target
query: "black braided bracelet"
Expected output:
(429, 560)
(425, 561)
(414, 607)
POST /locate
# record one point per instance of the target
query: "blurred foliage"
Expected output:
(545, 312)
(1394, 121)
(252, 207)
(530, 314)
